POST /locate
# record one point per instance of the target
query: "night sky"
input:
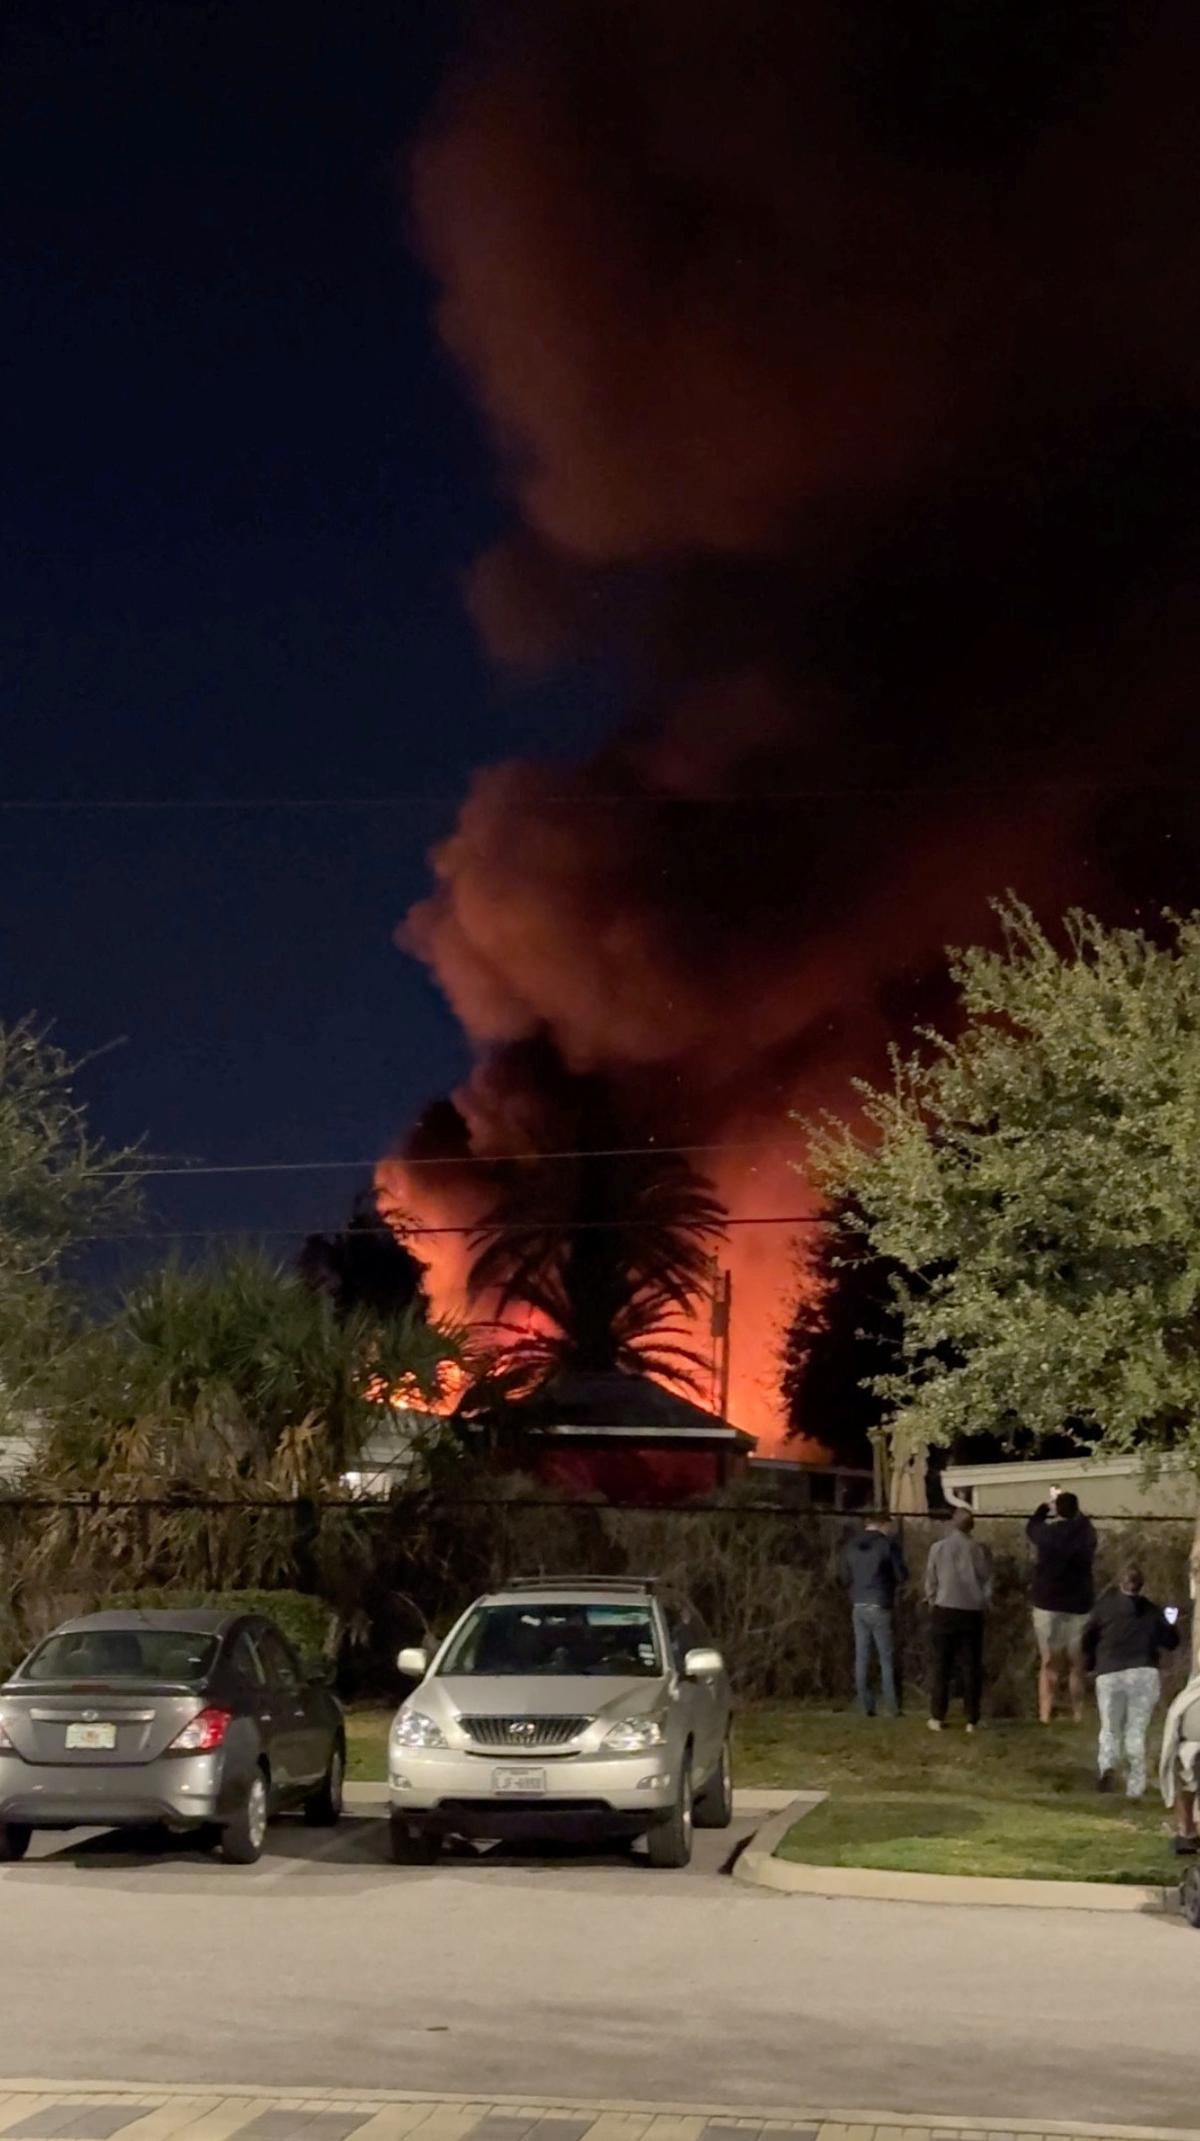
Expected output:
(242, 482)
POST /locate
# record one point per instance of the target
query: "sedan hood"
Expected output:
(538, 1695)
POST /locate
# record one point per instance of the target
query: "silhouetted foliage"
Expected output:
(365, 1265)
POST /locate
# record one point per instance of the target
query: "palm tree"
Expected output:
(238, 1371)
(607, 1253)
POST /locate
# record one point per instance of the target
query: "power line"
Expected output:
(460, 1159)
(828, 791)
(479, 1227)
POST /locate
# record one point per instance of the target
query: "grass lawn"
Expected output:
(1016, 1799)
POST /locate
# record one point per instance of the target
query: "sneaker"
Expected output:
(1105, 1781)
(978, 1727)
(935, 1724)
(1185, 1847)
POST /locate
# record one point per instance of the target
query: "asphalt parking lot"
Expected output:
(359, 1846)
(580, 1974)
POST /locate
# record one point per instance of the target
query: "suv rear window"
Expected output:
(542, 1637)
(123, 1654)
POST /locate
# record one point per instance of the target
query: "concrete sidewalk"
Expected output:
(41, 2111)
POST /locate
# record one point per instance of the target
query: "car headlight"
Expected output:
(413, 1729)
(632, 1734)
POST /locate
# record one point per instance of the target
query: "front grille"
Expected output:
(521, 1733)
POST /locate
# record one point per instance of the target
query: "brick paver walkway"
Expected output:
(43, 2111)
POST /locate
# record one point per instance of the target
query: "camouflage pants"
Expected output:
(1127, 1701)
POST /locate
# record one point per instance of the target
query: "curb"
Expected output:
(758, 1867)
(957, 2126)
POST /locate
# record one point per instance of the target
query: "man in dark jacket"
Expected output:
(1122, 1644)
(873, 1570)
(1064, 1593)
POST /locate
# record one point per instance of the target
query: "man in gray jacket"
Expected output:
(958, 1588)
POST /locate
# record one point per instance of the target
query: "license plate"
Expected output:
(524, 1783)
(93, 1739)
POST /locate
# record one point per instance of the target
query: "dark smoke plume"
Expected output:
(843, 363)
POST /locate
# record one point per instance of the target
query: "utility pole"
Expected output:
(720, 1325)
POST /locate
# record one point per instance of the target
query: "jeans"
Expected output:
(1126, 1701)
(873, 1631)
(955, 1640)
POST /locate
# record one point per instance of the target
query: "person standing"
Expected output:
(958, 1588)
(1064, 1592)
(873, 1570)
(1122, 1644)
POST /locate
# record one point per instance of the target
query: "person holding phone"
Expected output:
(1064, 1593)
(1124, 1639)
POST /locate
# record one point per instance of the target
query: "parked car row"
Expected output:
(579, 1709)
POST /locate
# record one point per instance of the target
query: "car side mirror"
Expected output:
(413, 1663)
(703, 1665)
(319, 1673)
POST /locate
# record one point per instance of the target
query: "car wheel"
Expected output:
(412, 1847)
(714, 1805)
(670, 1843)
(242, 1839)
(1191, 1896)
(14, 1841)
(323, 1808)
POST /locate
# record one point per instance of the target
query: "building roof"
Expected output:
(575, 1402)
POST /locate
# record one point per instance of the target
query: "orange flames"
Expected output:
(756, 1184)
(408, 1396)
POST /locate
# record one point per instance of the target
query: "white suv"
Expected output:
(574, 1707)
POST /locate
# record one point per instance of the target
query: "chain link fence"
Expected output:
(764, 1578)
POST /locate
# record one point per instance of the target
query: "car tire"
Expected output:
(15, 1839)
(1190, 1896)
(714, 1805)
(242, 1839)
(412, 1847)
(323, 1808)
(670, 1842)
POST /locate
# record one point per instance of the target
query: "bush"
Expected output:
(308, 1623)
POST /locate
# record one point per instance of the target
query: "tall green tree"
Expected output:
(60, 1188)
(1034, 1180)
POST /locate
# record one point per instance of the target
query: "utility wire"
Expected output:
(461, 1159)
(481, 1227)
(830, 791)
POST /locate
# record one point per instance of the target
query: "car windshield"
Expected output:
(544, 1637)
(123, 1654)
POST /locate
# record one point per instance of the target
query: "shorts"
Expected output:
(1059, 1635)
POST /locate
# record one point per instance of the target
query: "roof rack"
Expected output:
(580, 1583)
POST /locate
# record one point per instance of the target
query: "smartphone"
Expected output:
(1171, 1614)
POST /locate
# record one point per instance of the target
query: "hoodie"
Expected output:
(1065, 1549)
(1126, 1630)
(873, 1568)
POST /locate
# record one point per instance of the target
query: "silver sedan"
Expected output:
(193, 1719)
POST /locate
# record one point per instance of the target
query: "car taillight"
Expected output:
(204, 1734)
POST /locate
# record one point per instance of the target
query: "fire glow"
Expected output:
(817, 399)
